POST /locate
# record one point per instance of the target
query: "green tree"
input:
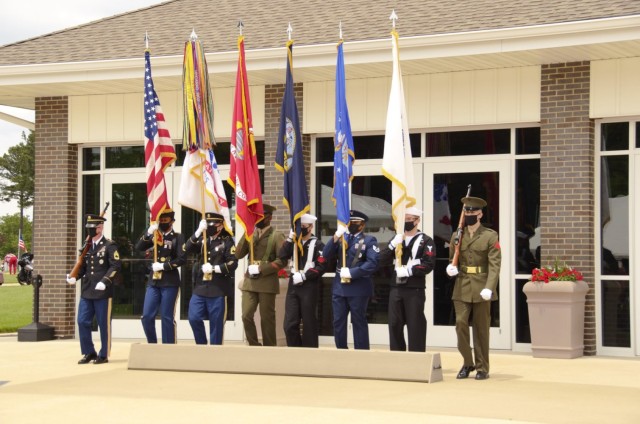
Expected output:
(17, 175)
(9, 227)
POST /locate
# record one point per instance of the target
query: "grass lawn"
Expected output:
(16, 303)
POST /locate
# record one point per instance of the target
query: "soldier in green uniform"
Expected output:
(475, 287)
(260, 284)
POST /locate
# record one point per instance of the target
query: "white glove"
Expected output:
(217, 269)
(201, 228)
(396, 241)
(100, 286)
(340, 231)
(254, 269)
(152, 228)
(344, 272)
(70, 280)
(402, 272)
(452, 271)
(298, 278)
(486, 294)
(207, 268)
(292, 234)
(157, 267)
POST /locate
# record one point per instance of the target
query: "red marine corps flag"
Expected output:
(243, 173)
(159, 152)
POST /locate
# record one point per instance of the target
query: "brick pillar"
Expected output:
(567, 177)
(55, 214)
(273, 179)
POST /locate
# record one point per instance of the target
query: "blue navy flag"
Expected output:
(289, 155)
(343, 156)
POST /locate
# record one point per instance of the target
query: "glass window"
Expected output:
(91, 159)
(527, 215)
(464, 143)
(638, 135)
(365, 147)
(523, 330)
(90, 194)
(125, 157)
(614, 215)
(616, 322)
(527, 141)
(615, 136)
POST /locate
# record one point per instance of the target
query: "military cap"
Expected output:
(473, 203)
(213, 218)
(268, 209)
(413, 211)
(93, 220)
(168, 213)
(308, 219)
(357, 216)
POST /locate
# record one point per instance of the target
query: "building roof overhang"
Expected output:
(587, 40)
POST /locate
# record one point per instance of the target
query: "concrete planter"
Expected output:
(556, 317)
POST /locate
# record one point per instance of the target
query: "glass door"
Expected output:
(445, 184)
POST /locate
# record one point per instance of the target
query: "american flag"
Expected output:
(159, 152)
(21, 245)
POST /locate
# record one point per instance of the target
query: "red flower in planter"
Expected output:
(556, 273)
(283, 273)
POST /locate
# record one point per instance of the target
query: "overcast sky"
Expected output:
(25, 19)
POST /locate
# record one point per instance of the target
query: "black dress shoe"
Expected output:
(88, 358)
(465, 371)
(100, 360)
(482, 375)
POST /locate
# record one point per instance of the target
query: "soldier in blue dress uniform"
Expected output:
(353, 283)
(163, 282)
(301, 304)
(213, 281)
(100, 267)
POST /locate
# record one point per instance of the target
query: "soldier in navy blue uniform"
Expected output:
(213, 280)
(301, 304)
(407, 292)
(100, 267)
(163, 282)
(353, 283)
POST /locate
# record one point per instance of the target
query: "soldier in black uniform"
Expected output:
(213, 279)
(99, 269)
(407, 294)
(163, 282)
(301, 304)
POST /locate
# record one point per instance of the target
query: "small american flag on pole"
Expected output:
(21, 245)
(159, 152)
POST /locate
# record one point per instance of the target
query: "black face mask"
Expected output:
(470, 220)
(213, 230)
(262, 224)
(409, 225)
(165, 226)
(354, 228)
(305, 231)
(92, 232)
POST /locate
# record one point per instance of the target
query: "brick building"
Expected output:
(533, 103)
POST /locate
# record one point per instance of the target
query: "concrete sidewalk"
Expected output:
(41, 382)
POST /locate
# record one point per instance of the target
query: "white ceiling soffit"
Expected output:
(556, 43)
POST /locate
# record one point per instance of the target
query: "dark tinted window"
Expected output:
(465, 143)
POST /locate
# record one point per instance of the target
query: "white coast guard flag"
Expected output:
(193, 179)
(396, 162)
